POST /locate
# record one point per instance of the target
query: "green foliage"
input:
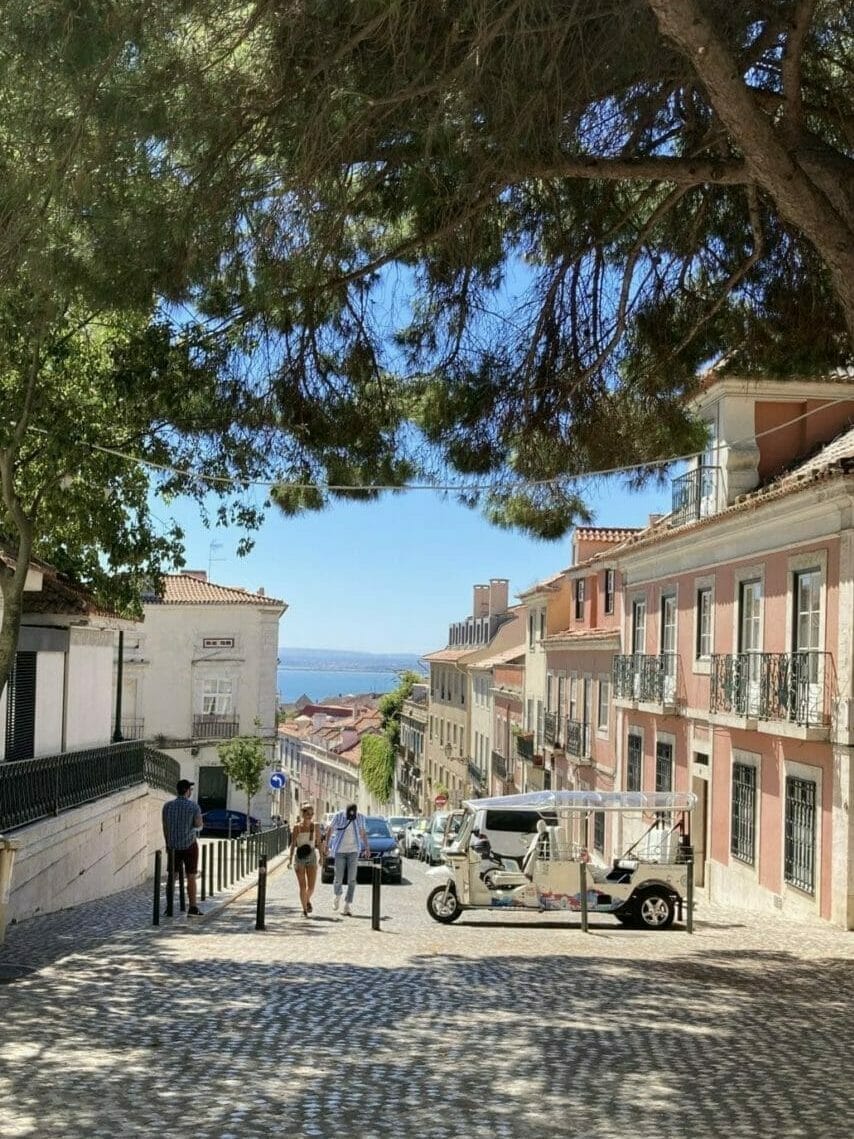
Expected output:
(391, 704)
(376, 767)
(243, 760)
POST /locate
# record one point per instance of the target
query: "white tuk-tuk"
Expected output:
(643, 886)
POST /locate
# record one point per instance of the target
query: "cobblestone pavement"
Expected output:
(494, 1026)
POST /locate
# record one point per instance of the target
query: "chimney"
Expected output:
(499, 588)
(260, 591)
(199, 575)
(654, 519)
(480, 606)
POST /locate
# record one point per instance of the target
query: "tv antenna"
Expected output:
(211, 559)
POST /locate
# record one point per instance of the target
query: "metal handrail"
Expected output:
(646, 677)
(551, 729)
(577, 739)
(33, 789)
(214, 726)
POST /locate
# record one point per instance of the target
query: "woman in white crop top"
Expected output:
(303, 855)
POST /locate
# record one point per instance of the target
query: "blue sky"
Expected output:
(388, 576)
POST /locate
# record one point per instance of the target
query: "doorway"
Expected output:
(213, 788)
(700, 826)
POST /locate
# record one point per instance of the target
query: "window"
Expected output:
(604, 703)
(742, 843)
(634, 763)
(21, 707)
(573, 698)
(579, 599)
(609, 591)
(800, 824)
(531, 627)
(807, 635)
(542, 623)
(599, 831)
(638, 627)
(704, 624)
(216, 697)
(663, 766)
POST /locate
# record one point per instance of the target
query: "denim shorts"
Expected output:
(309, 860)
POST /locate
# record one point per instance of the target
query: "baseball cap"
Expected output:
(183, 786)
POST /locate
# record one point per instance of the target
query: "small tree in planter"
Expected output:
(243, 760)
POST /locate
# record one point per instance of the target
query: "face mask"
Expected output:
(351, 813)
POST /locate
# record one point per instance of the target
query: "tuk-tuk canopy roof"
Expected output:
(589, 800)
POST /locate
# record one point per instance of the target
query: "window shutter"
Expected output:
(21, 708)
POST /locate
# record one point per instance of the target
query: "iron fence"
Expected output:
(499, 765)
(33, 789)
(133, 728)
(525, 745)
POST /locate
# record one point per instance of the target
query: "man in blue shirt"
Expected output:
(345, 838)
(182, 820)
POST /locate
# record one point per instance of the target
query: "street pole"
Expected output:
(117, 734)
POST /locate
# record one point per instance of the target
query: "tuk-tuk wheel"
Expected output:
(442, 909)
(655, 909)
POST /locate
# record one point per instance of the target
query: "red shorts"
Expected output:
(188, 858)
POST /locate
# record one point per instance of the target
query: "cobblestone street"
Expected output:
(507, 1026)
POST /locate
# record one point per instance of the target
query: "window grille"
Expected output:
(634, 765)
(800, 834)
(743, 831)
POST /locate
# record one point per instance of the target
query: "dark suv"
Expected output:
(384, 849)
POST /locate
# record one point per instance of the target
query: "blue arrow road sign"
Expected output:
(278, 780)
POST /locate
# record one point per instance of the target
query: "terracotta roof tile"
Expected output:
(182, 589)
(569, 637)
(445, 655)
(548, 583)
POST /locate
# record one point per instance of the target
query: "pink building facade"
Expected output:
(735, 675)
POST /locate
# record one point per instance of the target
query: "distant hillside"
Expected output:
(341, 660)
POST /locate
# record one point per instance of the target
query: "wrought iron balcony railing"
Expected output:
(133, 728)
(791, 687)
(696, 494)
(577, 739)
(32, 789)
(499, 765)
(525, 745)
(551, 729)
(213, 726)
(646, 678)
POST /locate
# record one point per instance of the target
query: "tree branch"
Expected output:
(798, 29)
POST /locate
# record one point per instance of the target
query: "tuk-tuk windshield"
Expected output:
(589, 800)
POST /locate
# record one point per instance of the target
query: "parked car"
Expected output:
(384, 848)
(398, 824)
(433, 838)
(412, 837)
(223, 822)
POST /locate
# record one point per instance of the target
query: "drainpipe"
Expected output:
(117, 734)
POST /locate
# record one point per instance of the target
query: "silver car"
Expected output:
(413, 836)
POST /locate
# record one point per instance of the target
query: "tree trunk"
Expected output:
(773, 166)
(12, 587)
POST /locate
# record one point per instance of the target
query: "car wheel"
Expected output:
(442, 908)
(655, 909)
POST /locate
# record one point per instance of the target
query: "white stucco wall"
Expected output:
(90, 852)
(90, 688)
(50, 680)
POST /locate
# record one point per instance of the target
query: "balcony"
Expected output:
(525, 746)
(551, 729)
(646, 679)
(499, 765)
(789, 688)
(133, 728)
(215, 726)
(696, 494)
(578, 739)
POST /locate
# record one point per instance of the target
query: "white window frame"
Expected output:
(703, 664)
(218, 691)
(603, 722)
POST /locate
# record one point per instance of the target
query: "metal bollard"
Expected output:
(158, 874)
(689, 892)
(170, 883)
(261, 903)
(182, 901)
(583, 882)
(211, 872)
(376, 882)
(204, 875)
